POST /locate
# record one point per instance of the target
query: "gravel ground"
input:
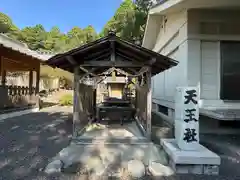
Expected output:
(28, 142)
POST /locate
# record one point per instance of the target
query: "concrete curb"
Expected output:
(50, 107)
(18, 113)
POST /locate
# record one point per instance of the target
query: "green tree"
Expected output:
(89, 34)
(61, 44)
(6, 24)
(129, 20)
(141, 12)
(34, 37)
(51, 37)
(75, 37)
(55, 40)
(143, 5)
(122, 21)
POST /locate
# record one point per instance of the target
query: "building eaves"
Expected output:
(10, 43)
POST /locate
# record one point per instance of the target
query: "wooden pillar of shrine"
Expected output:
(76, 103)
(37, 79)
(3, 72)
(149, 102)
(30, 82)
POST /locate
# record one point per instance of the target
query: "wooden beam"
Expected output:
(17, 56)
(105, 63)
(124, 58)
(12, 65)
(152, 61)
(102, 79)
(130, 54)
(113, 55)
(94, 103)
(88, 47)
(3, 72)
(123, 72)
(71, 60)
(30, 82)
(76, 103)
(143, 69)
(149, 103)
(132, 70)
(108, 71)
(134, 47)
(97, 54)
(88, 72)
(37, 80)
(140, 72)
(135, 58)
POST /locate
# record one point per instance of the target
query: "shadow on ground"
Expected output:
(28, 142)
(226, 146)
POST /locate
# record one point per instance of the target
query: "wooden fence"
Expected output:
(18, 96)
(84, 106)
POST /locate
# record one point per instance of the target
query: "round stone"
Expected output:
(95, 165)
(54, 167)
(136, 168)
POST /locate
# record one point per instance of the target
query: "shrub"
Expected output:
(66, 100)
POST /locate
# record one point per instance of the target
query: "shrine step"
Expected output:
(147, 152)
(111, 140)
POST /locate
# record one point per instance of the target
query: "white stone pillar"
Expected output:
(187, 118)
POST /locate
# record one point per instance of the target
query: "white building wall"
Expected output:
(210, 70)
(172, 42)
(206, 28)
(193, 38)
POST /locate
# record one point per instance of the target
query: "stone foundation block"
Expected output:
(211, 169)
(188, 169)
(201, 161)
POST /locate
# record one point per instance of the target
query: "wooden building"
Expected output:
(99, 59)
(16, 58)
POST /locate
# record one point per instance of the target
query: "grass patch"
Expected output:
(95, 126)
(46, 104)
(66, 100)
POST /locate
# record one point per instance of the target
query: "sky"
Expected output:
(62, 13)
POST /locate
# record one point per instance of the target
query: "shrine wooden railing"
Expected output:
(18, 96)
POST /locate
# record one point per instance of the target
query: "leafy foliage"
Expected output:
(6, 24)
(34, 37)
(128, 22)
(66, 100)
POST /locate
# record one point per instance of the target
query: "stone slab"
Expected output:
(54, 167)
(202, 156)
(158, 169)
(136, 168)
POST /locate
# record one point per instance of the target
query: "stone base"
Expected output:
(201, 161)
